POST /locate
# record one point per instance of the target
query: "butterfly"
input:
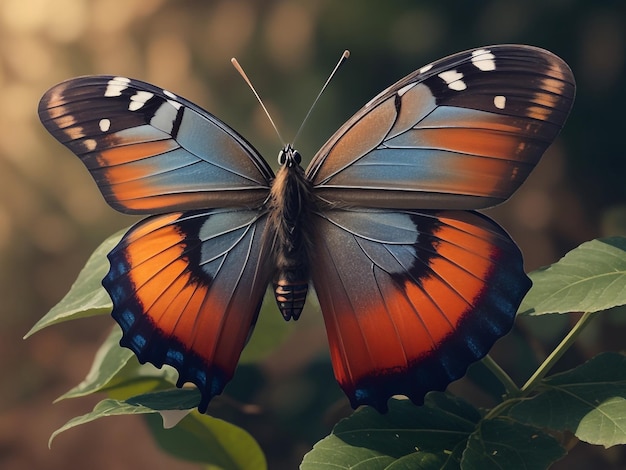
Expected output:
(414, 285)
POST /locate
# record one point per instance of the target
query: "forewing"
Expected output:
(461, 133)
(411, 299)
(186, 290)
(151, 151)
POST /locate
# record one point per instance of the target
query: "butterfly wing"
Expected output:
(151, 151)
(411, 299)
(186, 285)
(187, 288)
(461, 133)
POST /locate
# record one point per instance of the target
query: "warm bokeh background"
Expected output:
(52, 216)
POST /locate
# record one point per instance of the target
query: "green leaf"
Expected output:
(377, 441)
(209, 440)
(115, 370)
(126, 388)
(419, 461)
(589, 400)
(502, 443)
(171, 399)
(86, 297)
(197, 437)
(589, 278)
(108, 362)
(107, 407)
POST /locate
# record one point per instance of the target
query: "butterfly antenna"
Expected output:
(342, 59)
(267, 113)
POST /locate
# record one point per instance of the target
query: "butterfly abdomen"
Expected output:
(289, 207)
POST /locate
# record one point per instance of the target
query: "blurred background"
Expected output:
(52, 215)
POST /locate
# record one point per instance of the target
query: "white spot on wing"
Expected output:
(165, 116)
(68, 119)
(175, 104)
(90, 144)
(453, 79)
(139, 99)
(426, 68)
(406, 88)
(499, 101)
(484, 60)
(75, 132)
(104, 125)
(173, 99)
(116, 86)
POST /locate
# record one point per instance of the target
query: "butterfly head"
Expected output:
(289, 157)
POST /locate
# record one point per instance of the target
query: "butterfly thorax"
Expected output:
(290, 205)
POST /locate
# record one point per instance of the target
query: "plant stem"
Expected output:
(511, 388)
(563, 346)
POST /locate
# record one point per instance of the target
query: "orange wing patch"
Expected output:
(408, 317)
(186, 289)
(122, 155)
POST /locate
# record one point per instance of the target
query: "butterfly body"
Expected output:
(413, 283)
(288, 234)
